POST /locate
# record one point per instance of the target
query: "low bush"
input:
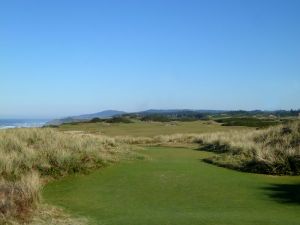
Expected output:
(248, 122)
(156, 118)
(118, 120)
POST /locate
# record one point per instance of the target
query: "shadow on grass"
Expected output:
(215, 148)
(284, 193)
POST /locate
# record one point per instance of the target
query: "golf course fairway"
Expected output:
(174, 187)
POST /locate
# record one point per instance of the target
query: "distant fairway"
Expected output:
(148, 128)
(175, 187)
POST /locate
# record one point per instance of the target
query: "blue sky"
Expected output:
(60, 58)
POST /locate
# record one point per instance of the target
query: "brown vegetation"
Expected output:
(275, 150)
(27, 155)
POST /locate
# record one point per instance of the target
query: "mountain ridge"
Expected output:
(106, 114)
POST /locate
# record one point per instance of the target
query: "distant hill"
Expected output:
(102, 115)
(175, 114)
(174, 111)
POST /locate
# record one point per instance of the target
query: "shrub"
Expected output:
(248, 122)
(156, 118)
(96, 120)
(119, 120)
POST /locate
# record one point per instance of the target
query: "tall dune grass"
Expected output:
(275, 150)
(27, 155)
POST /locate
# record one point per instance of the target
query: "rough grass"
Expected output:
(149, 128)
(275, 150)
(272, 151)
(27, 155)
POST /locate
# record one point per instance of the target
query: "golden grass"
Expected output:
(27, 155)
(275, 150)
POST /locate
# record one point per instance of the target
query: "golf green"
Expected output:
(174, 187)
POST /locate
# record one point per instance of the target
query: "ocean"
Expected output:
(18, 123)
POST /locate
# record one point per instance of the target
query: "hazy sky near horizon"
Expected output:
(60, 58)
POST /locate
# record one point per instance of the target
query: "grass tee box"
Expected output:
(149, 129)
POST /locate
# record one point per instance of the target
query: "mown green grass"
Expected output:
(175, 187)
(148, 129)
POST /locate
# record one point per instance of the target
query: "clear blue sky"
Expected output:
(60, 58)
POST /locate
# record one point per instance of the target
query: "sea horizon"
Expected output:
(22, 123)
